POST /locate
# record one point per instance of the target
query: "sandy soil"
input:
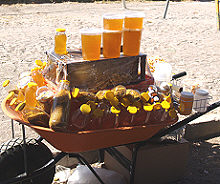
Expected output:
(188, 39)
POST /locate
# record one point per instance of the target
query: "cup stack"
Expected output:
(115, 26)
(112, 34)
(133, 26)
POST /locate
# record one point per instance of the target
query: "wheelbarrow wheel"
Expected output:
(12, 160)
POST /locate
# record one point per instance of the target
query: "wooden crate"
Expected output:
(103, 73)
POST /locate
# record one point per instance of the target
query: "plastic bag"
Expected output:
(82, 175)
(62, 174)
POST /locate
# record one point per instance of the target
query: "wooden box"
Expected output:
(103, 73)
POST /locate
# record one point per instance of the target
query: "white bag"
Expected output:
(62, 174)
(82, 175)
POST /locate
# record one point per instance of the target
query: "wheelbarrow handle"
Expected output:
(185, 121)
(176, 76)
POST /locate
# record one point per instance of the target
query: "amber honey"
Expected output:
(91, 44)
(30, 95)
(131, 41)
(113, 22)
(186, 103)
(38, 77)
(111, 44)
(60, 42)
(134, 20)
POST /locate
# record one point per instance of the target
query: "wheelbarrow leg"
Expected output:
(117, 155)
(39, 139)
(127, 164)
(91, 169)
(25, 150)
(83, 161)
(101, 155)
(133, 161)
(12, 128)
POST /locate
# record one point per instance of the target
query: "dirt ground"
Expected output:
(188, 39)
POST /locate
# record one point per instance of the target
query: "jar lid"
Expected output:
(65, 81)
(35, 69)
(133, 14)
(186, 94)
(164, 87)
(91, 31)
(129, 30)
(202, 92)
(60, 30)
(32, 84)
(111, 31)
(113, 16)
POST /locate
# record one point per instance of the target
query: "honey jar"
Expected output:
(60, 42)
(186, 103)
(60, 109)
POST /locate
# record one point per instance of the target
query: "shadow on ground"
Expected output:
(204, 165)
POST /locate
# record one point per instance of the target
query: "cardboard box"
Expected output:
(156, 163)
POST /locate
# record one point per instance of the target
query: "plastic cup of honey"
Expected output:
(91, 43)
(134, 20)
(131, 41)
(113, 21)
(111, 43)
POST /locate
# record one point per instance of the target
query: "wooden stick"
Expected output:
(218, 15)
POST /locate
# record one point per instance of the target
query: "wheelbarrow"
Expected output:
(30, 161)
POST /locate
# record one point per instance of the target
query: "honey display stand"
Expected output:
(102, 140)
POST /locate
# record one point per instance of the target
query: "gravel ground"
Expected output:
(188, 39)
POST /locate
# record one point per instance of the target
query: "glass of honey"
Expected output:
(134, 20)
(91, 44)
(111, 43)
(113, 21)
(131, 42)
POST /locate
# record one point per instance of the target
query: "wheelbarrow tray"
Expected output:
(92, 139)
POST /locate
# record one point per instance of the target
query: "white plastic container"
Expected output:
(200, 100)
(162, 73)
